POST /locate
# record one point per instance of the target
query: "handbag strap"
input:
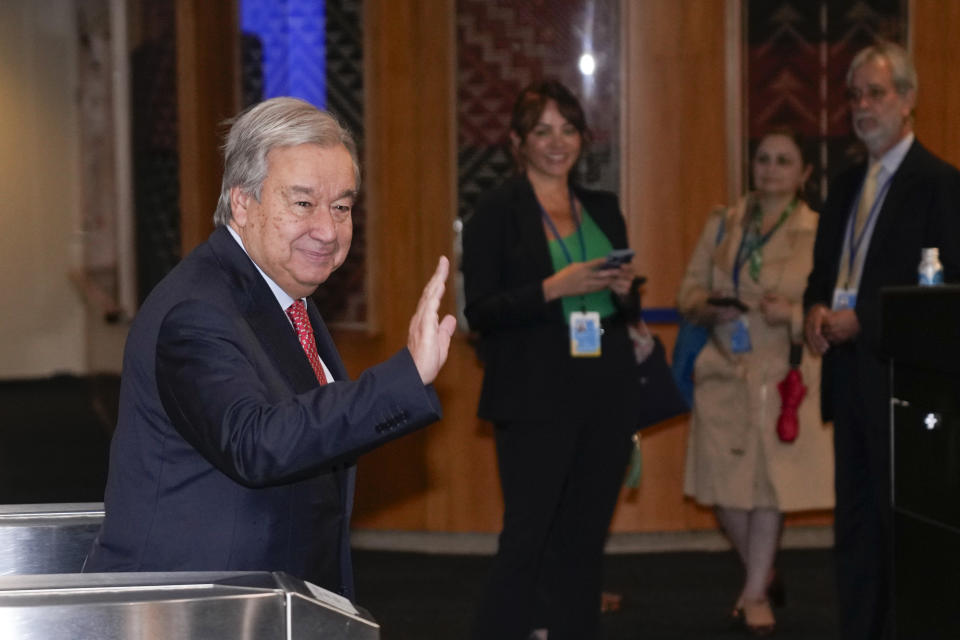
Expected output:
(796, 355)
(720, 230)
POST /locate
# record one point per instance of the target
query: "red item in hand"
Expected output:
(792, 392)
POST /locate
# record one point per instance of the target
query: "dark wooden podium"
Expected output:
(921, 334)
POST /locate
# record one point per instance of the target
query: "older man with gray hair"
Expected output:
(877, 218)
(238, 425)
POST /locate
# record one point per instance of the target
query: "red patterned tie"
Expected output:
(298, 315)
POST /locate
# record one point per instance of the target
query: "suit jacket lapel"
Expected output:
(529, 222)
(838, 209)
(604, 217)
(261, 311)
(893, 205)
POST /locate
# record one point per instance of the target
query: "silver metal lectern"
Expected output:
(44, 597)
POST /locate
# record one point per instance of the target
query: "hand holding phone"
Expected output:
(616, 259)
(728, 301)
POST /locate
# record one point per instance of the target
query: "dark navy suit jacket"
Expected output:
(921, 209)
(228, 455)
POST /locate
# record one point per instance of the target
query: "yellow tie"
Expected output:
(867, 197)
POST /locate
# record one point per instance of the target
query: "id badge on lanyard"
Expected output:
(845, 297)
(585, 334)
(740, 338)
(585, 329)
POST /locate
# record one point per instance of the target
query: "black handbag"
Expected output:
(658, 396)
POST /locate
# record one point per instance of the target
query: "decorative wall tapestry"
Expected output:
(796, 62)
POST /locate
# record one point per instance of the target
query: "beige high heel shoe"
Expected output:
(758, 617)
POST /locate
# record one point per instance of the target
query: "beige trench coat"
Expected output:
(733, 440)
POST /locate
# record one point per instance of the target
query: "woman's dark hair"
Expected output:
(533, 100)
(806, 152)
(803, 145)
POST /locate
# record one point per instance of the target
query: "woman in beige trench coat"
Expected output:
(735, 460)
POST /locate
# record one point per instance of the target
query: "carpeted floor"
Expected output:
(666, 596)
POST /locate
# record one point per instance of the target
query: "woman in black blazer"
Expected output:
(532, 257)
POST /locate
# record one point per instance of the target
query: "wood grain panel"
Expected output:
(936, 50)
(675, 168)
(674, 172)
(411, 164)
(208, 92)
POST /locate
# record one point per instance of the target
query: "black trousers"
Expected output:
(560, 483)
(863, 517)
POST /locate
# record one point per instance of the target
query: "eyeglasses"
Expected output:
(872, 94)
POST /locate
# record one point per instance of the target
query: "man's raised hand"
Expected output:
(429, 338)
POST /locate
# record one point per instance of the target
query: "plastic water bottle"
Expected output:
(930, 270)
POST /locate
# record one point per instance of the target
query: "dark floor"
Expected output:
(665, 595)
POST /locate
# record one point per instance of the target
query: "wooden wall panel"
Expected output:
(675, 170)
(675, 167)
(936, 49)
(208, 92)
(443, 478)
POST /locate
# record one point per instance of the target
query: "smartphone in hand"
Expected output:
(728, 301)
(616, 258)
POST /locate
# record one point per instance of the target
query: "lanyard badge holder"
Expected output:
(845, 297)
(585, 334)
(585, 329)
(740, 337)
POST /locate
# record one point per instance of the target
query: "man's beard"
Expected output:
(878, 138)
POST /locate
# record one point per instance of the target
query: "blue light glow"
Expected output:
(294, 48)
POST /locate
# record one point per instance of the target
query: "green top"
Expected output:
(597, 246)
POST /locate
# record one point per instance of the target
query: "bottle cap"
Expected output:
(930, 252)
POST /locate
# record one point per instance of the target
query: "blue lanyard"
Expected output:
(556, 233)
(853, 243)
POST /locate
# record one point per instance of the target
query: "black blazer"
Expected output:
(921, 209)
(228, 455)
(524, 341)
